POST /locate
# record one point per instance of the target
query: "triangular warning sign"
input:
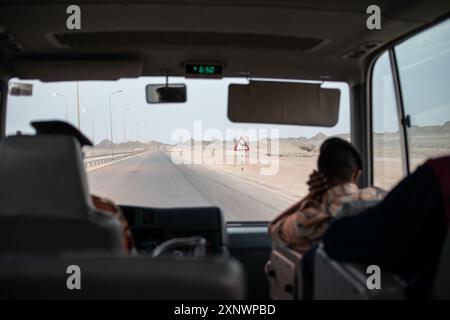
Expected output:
(241, 145)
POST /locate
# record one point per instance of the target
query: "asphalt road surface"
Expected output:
(152, 180)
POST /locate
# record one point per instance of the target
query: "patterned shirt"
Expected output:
(305, 222)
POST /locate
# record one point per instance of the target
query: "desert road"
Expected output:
(151, 179)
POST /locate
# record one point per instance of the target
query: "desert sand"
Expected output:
(297, 158)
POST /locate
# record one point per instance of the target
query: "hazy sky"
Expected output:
(207, 101)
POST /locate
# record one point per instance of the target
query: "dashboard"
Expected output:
(152, 226)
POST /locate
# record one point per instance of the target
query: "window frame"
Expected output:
(403, 121)
(400, 112)
(370, 114)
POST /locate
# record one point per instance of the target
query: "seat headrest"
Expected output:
(60, 127)
(43, 175)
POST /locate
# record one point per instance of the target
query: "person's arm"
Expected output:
(275, 224)
(391, 231)
(317, 185)
(284, 226)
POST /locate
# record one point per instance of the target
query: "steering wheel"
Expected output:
(189, 246)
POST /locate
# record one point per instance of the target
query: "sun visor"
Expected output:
(283, 103)
(72, 70)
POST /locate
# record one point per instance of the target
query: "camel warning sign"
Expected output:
(241, 145)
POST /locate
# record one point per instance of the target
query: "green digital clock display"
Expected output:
(203, 70)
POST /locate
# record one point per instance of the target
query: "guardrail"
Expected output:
(90, 162)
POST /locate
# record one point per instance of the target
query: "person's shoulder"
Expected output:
(371, 193)
(438, 161)
(439, 166)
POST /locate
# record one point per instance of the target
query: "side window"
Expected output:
(424, 73)
(387, 158)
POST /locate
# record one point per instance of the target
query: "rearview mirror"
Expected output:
(162, 93)
(283, 103)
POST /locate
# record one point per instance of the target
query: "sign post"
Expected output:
(241, 146)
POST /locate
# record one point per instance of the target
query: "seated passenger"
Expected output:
(304, 223)
(108, 206)
(101, 204)
(404, 233)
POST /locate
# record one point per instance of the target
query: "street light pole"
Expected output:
(139, 124)
(93, 136)
(110, 114)
(92, 122)
(124, 123)
(55, 94)
(138, 132)
(106, 126)
(78, 105)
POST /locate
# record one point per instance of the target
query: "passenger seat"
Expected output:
(106, 277)
(284, 273)
(47, 224)
(348, 281)
(45, 206)
(441, 288)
